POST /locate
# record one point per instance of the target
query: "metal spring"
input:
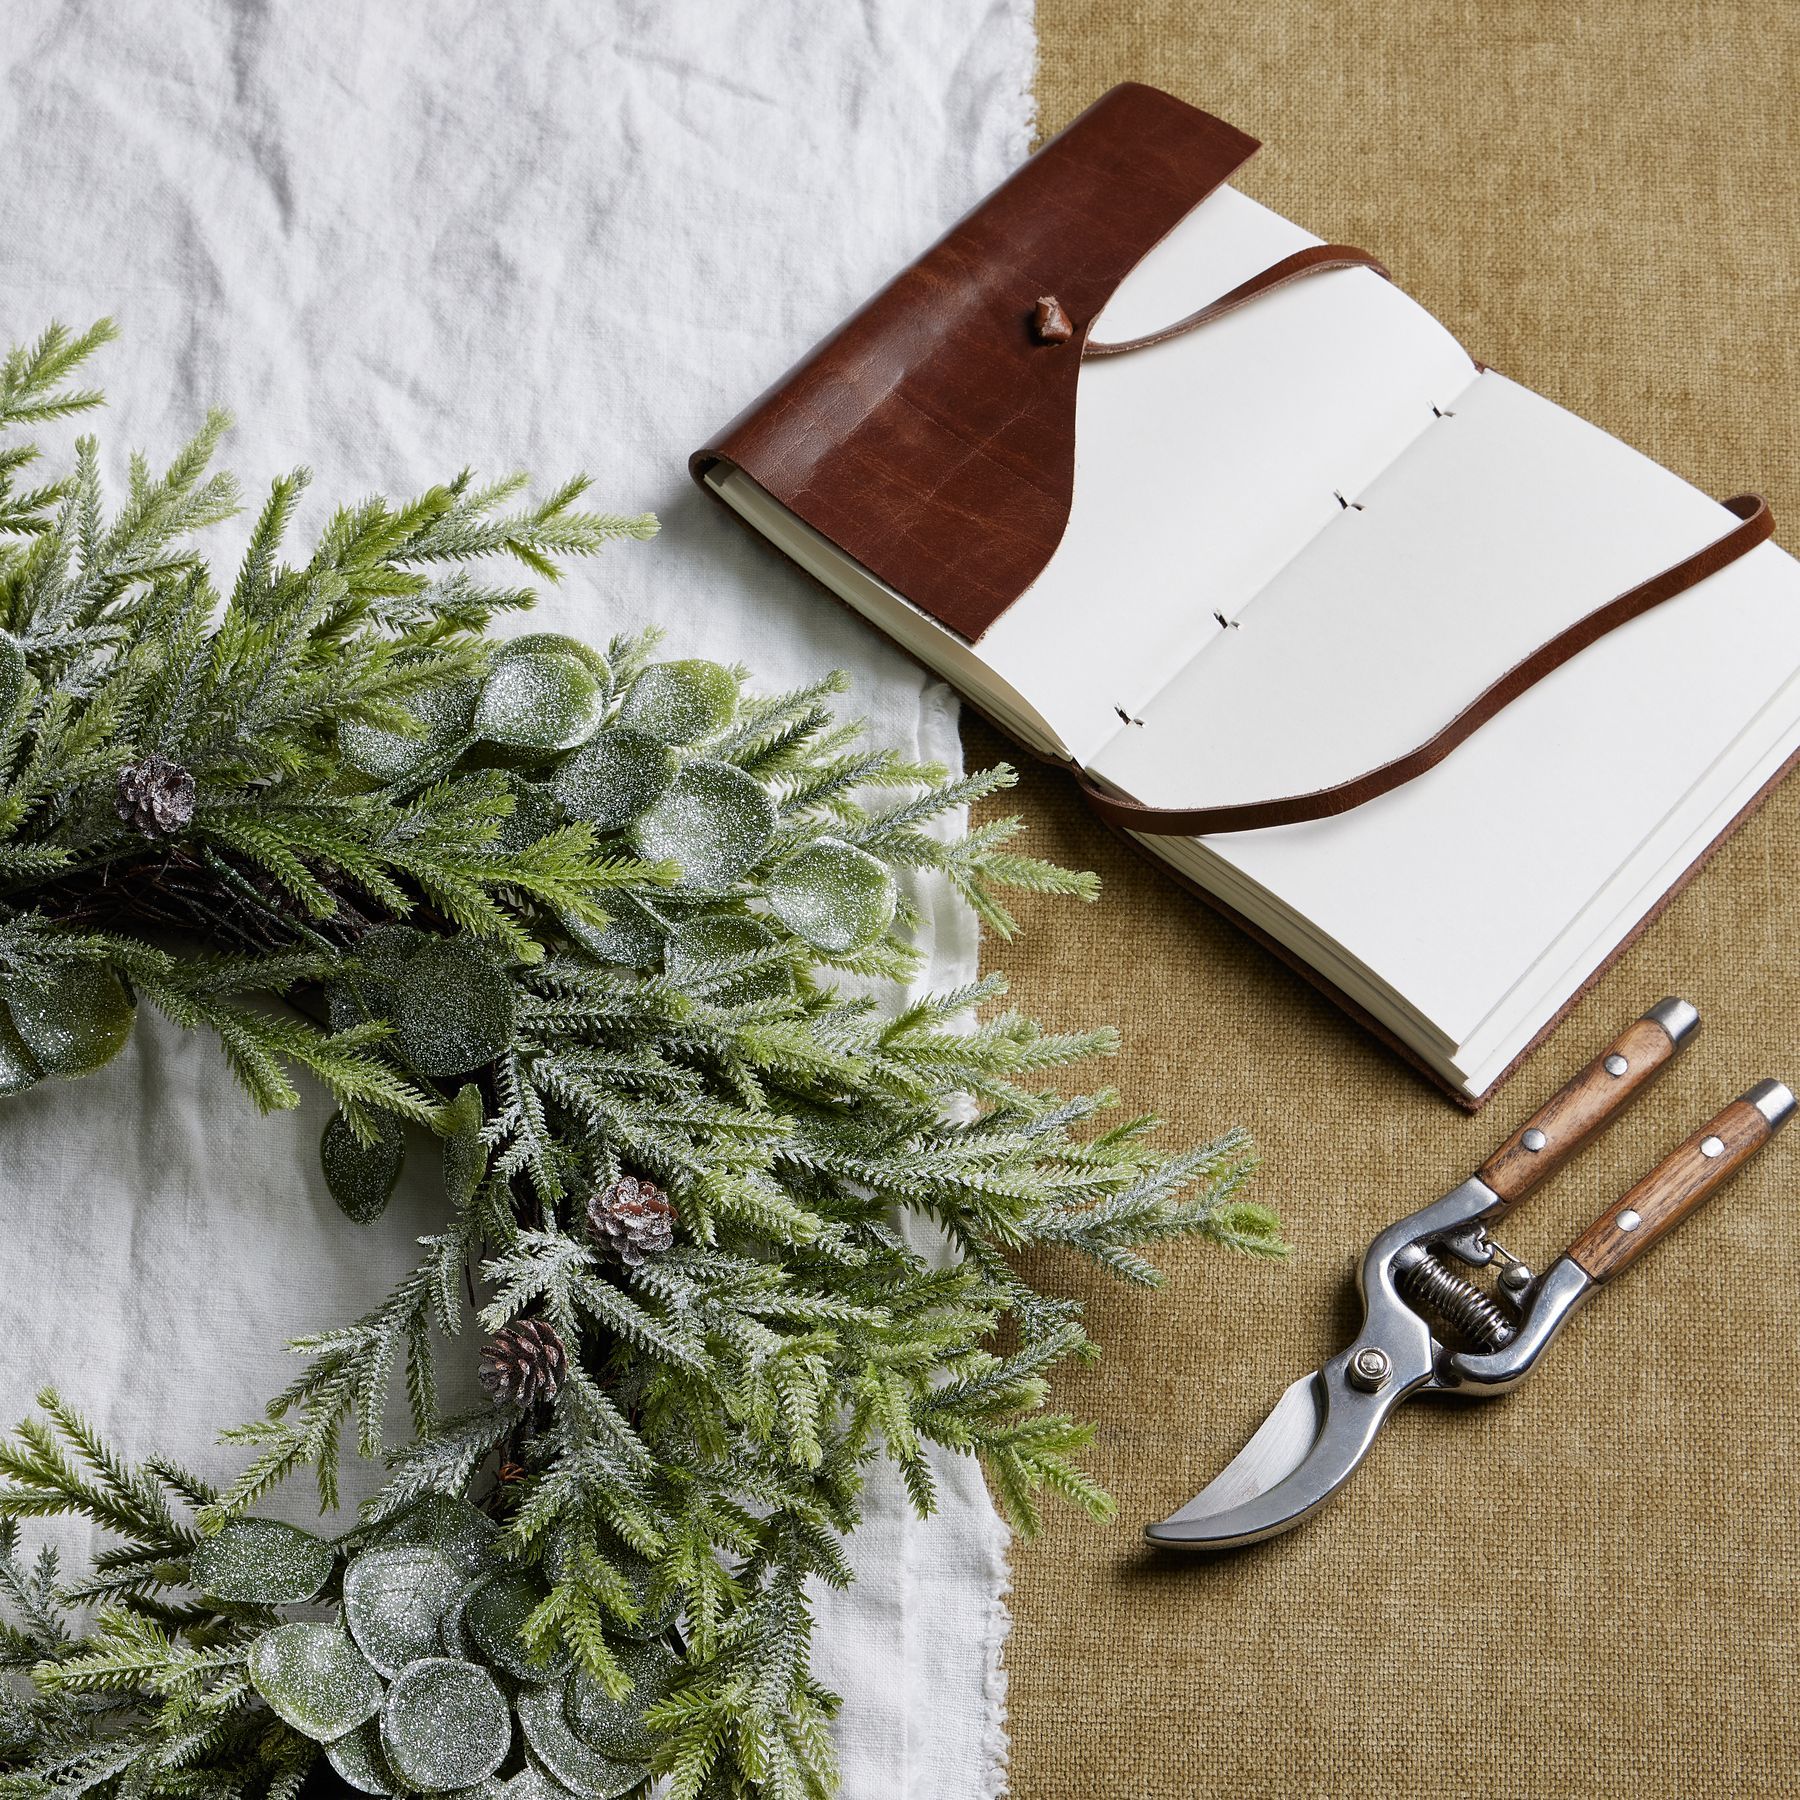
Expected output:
(1424, 1279)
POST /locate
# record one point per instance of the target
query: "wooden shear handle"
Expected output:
(1681, 1182)
(1578, 1111)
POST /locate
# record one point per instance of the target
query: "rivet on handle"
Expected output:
(1534, 1140)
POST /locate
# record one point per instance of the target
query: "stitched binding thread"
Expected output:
(1756, 525)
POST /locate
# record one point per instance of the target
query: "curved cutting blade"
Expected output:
(1302, 1453)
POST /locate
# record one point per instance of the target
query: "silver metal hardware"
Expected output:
(1711, 1147)
(1415, 1306)
(1676, 1017)
(1566, 1285)
(1774, 1100)
(1427, 1282)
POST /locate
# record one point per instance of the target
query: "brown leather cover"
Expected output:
(932, 436)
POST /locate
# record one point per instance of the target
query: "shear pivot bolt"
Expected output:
(1369, 1369)
(1616, 1064)
(1534, 1140)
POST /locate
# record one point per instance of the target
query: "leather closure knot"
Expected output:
(1049, 323)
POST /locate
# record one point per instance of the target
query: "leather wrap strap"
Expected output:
(1314, 260)
(1755, 525)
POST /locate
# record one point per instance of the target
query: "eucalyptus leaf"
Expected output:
(445, 1724)
(632, 934)
(19, 1069)
(495, 1615)
(681, 701)
(533, 1782)
(78, 1020)
(315, 1679)
(360, 1760)
(460, 1533)
(261, 1562)
(450, 1003)
(714, 822)
(360, 1176)
(395, 1596)
(14, 674)
(465, 1157)
(445, 715)
(535, 814)
(543, 694)
(616, 1728)
(835, 896)
(698, 943)
(615, 778)
(655, 1614)
(575, 1764)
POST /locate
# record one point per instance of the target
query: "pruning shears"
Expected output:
(1428, 1328)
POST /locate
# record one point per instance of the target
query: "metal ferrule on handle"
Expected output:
(1676, 1187)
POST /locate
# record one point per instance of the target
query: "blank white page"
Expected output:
(1452, 888)
(1204, 464)
(1501, 526)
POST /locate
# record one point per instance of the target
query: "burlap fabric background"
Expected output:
(1590, 1587)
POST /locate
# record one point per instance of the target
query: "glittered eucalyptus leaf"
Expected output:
(616, 1728)
(360, 1176)
(465, 1157)
(494, 1617)
(699, 944)
(533, 1782)
(360, 1760)
(655, 1614)
(545, 693)
(615, 778)
(553, 1742)
(261, 1562)
(444, 1725)
(445, 715)
(19, 1069)
(535, 814)
(315, 1679)
(14, 675)
(713, 823)
(395, 1596)
(76, 1021)
(835, 896)
(632, 933)
(450, 1003)
(680, 701)
(448, 1524)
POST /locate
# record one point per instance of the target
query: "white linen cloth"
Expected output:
(394, 238)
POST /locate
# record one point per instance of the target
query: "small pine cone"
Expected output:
(155, 796)
(524, 1362)
(633, 1218)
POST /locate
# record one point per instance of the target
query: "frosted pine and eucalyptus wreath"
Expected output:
(569, 922)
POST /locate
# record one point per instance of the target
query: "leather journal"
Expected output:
(1436, 689)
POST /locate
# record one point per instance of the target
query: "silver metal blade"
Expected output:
(1277, 1448)
(1303, 1452)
